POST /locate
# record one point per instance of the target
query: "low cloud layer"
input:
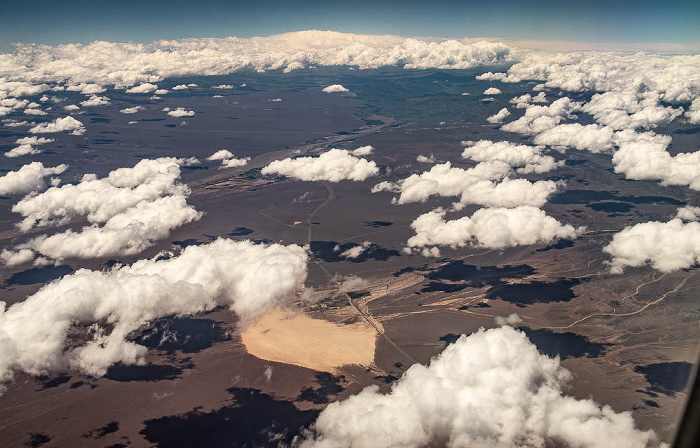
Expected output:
(495, 228)
(527, 159)
(64, 124)
(83, 320)
(332, 166)
(489, 389)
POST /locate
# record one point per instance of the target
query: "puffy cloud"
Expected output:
(591, 137)
(179, 112)
(488, 389)
(103, 307)
(511, 320)
(27, 146)
(227, 159)
(492, 91)
(495, 228)
(234, 163)
(352, 283)
(127, 210)
(131, 110)
(34, 112)
(527, 159)
(71, 107)
(143, 88)
(333, 166)
(180, 87)
(424, 159)
(86, 89)
(223, 86)
(95, 100)
(693, 112)
(473, 186)
(362, 151)
(643, 156)
(28, 178)
(667, 246)
(221, 154)
(335, 88)
(356, 251)
(688, 213)
(630, 110)
(498, 117)
(59, 125)
(541, 118)
(521, 102)
(159, 92)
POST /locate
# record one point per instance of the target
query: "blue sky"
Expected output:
(625, 21)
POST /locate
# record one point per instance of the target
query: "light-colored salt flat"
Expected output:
(283, 336)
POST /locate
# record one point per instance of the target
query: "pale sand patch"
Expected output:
(283, 336)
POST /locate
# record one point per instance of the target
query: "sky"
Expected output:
(624, 21)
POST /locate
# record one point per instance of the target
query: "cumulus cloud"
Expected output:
(511, 320)
(521, 102)
(34, 112)
(234, 162)
(333, 166)
(103, 307)
(59, 125)
(131, 110)
(492, 91)
(179, 112)
(352, 283)
(221, 154)
(27, 146)
(495, 228)
(527, 159)
(667, 246)
(127, 211)
(591, 137)
(335, 88)
(478, 185)
(223, 86)
(630, 110)
(538, 119)
(180, 87)
(356, 251)
(488, 389)
(643, 156)
(29, 178)
(143, 88)
(362, 151)
(425, 159)
(95, 100)
(498, 117)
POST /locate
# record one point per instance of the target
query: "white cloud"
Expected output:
(234, 163)
(511, 320)
(34, 112)
(495, 228)
(352, 283)
(59, 125)
(356, 251)
(247, 278)
(538, 119)
(223, 86)
(476, 185)
(27, 146)
(521, 102)
(127, 211)
(492, 91)
(159, 92)
(667, 246)
(28, 178)
(333, 166)
(143, 88)
(591, 137)
(180, 87)
(498, 117)
(131, 110)
(362, 151)
(221, 155)
(180, 112)
(630, 110)
(95, 100)
(490, 389)
(424, 159)
(335, 88)
(71, 107)
(527, 159)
